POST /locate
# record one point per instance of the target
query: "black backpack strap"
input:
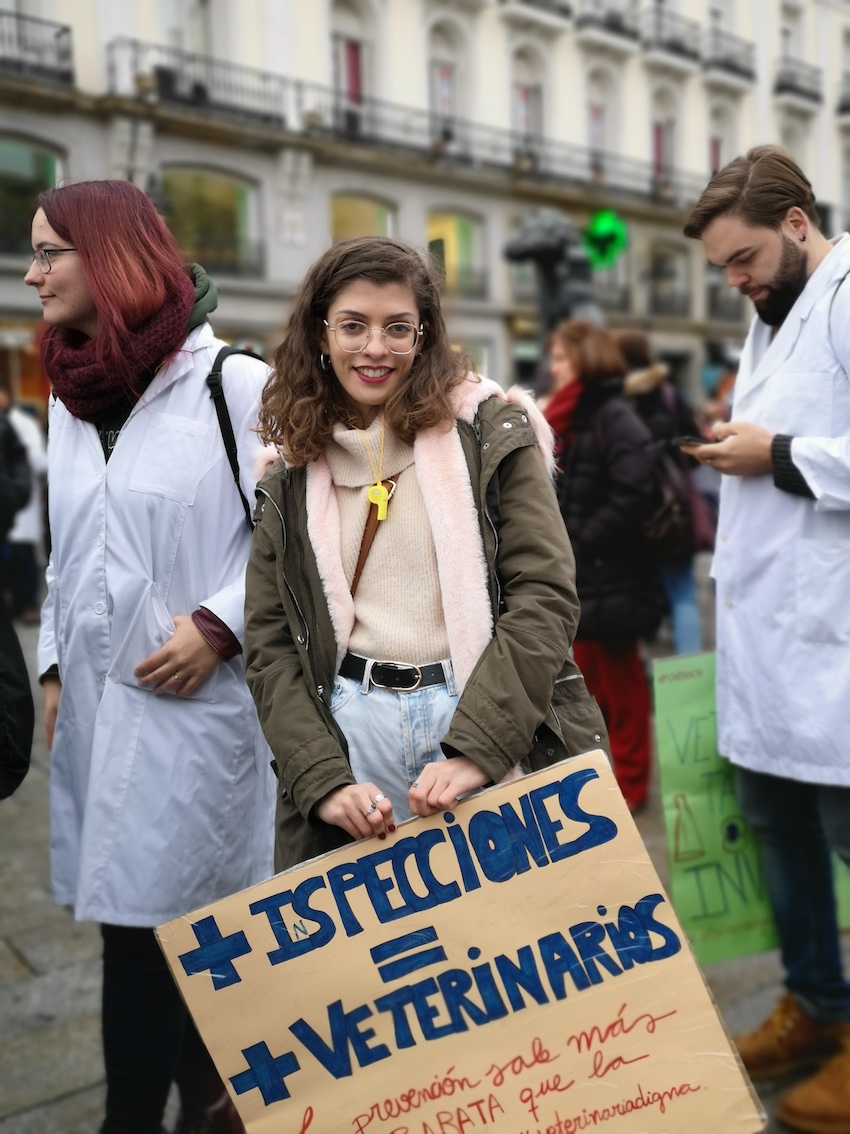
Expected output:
(224, 422)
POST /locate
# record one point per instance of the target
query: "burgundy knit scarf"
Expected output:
(88, 391)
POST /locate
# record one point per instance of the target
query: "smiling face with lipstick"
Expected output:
(372, 337)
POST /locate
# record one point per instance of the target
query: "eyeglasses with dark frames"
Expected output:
(42, 257)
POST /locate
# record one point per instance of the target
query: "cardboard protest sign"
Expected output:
(512, 966)
(716, 877)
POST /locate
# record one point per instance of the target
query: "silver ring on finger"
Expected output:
(379, 797)
(370, 810)
(175, 677)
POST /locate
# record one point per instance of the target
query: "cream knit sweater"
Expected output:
(398, 610)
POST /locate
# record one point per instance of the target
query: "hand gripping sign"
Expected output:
(512, 966)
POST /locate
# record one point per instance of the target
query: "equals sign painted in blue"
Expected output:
(391, 962)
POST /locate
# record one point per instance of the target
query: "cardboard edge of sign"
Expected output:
(596, 756)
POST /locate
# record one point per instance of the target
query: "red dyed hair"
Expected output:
(132, 262)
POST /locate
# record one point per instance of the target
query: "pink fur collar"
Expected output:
(443, 478)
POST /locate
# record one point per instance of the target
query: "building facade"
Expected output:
(269, 128)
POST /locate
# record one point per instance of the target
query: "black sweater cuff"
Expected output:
(786, 475)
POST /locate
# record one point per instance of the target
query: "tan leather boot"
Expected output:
(789, 1040)
(820, 1105)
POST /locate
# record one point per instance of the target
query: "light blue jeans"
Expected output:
(392, 736)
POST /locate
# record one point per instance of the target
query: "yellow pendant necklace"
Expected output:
(377, 493)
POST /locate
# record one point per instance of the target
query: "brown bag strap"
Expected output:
(369, 534)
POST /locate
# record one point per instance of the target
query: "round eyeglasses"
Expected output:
(353, 336)
(42, 257)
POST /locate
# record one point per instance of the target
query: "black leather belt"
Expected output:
(392, 675)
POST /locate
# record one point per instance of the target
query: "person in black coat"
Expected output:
(607, 489)
(16, 705)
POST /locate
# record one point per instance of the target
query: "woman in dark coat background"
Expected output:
(606, 491)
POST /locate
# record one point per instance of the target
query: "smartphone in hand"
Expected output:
(691, 440)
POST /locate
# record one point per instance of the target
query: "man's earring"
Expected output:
(803, 238)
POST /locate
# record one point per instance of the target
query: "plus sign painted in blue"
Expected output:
(265, 1073)
(215, 954)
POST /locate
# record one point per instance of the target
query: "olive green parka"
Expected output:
(525, 701)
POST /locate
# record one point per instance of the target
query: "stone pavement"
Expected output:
(51, 1076)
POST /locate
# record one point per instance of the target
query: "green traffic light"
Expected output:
(606, 236)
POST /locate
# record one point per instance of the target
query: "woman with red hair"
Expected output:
(160, 790)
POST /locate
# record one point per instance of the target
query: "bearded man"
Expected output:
(782, 568)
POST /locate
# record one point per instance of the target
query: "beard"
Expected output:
(786, 286)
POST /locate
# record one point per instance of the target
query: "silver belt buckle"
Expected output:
(397, 688)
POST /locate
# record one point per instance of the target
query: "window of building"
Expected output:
(353, 216)
(189, 26)
(721, 140)
(668, 278)
(455, 240)
(445, 63)
(352, 53)
(611, 285)
(663, 135)
(791, 34)
(793, 133)
(25, 171)
(600, 118)
(722, 301)
(213, 217)
(527, 94)
(721, 15)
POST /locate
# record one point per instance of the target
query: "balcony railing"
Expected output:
(164, 75)
(609, 16)
(36, 49)
(551, 7)
(198, 82)
(725, 305)
(725, 52)
(670, 303)
(319, 110)
(667, 31)
(225, 257)
(795, 77)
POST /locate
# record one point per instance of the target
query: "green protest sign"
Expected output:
(716, 879)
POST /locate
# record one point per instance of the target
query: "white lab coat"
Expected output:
(159, 804)
(782, 562)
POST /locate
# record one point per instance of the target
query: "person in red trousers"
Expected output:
(606, 490)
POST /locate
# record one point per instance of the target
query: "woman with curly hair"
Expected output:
(410, 600)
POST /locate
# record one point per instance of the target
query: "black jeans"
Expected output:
(149, 1040)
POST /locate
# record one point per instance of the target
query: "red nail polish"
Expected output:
(382, 835)
(391, 828)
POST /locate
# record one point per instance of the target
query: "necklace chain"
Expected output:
(377, 493)
(377, 472)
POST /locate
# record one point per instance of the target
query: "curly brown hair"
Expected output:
(303, 401)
